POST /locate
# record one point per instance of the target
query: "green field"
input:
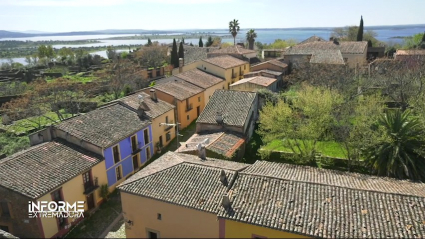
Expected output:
(326, 148)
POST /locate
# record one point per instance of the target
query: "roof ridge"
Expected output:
(330, 185)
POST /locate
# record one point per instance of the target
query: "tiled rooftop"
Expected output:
(194, 53)
(258, 80)
(346, 47)
(312, 39)
(324, 211)
(233, 50)
(222, 143)
(176, 178)
(225, 61)
(336, 178)
(44, 167)
(275, 73)
(106, 125)
(277, 63)
(178, 88)
(233, 105)
(410, 52)
(327, 57)
(200, 78)
(152, 108)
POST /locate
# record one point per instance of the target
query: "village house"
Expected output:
(272, 53)
(225, 125)
(236, 51)
(184, 201)
(404, 55)
(310, 203)
(255, 83)
(119, 133)
(227, 67)
(192, 55)
(354, 54)
(186, 97)
(50, 171)
(158, 112)
(204, 80)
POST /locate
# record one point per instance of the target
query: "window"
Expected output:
(116, 153)
(199, 99)
(188, 117)
(136, 161)
(159, 217)
(118, 172)
(166, 119)
(4, 228)
(134, 143)
(146, 135)
(168, 136)
(152, 234)
(148, 153)
(5, 212)
(57, 195)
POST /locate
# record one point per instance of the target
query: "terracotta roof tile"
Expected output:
(178, 88)
(233, 105)
(44, 167)
(225, 61)
(200, 78)
(106, 125)
(258, 80)
(152, 108)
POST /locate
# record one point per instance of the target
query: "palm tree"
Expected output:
(234, 29)
(250, 37)
(400, 151)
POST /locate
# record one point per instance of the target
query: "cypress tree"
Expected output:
(181, 51)
(201, 44)
(360, 32)
(209, 42)
(174, 55)
(369, 43)
(149, 42)
(183, 40)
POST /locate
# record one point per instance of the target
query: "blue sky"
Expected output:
(86, 15)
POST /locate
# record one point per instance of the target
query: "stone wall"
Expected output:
(19, 223)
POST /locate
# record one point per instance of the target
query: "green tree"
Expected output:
(209, 42)
(300, 121)
(149, 42)
(234, 29)
(423, 37)
(174, 55)
(110, 52)
(201, 44)
(399, 153)
(250, 37)
(360, 32)
(413, 41)
(42, 51)
(182, 40)
(181, 51)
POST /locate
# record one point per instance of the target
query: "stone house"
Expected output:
(255, 83)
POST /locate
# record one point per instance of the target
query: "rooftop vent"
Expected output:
(140, 98)
(153, 95)
(225, 202)
(223, 177)
(219, 118)
(201, 151)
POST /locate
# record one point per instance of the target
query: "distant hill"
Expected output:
(7, 34)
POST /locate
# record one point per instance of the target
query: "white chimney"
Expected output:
(225, 202)
(153, 95)
(201, 151)
(181, 64)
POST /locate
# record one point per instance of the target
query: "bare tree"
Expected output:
(152, 56)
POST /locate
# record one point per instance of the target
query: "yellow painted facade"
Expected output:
(238, 72)
(73, 191)
(234, 229)
(175, 221)
(184, 116)
(158, 130)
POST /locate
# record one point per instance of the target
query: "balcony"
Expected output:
(234, 75)
(168, 127)
(90, 186)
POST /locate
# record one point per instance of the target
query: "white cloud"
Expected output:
(81, 3)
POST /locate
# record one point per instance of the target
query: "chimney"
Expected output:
(219, 118)
(181, 64)
(201, 151)
(225, 202)
(153, 95)
(223, 177)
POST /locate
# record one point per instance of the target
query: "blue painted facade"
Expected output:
(126, 155)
